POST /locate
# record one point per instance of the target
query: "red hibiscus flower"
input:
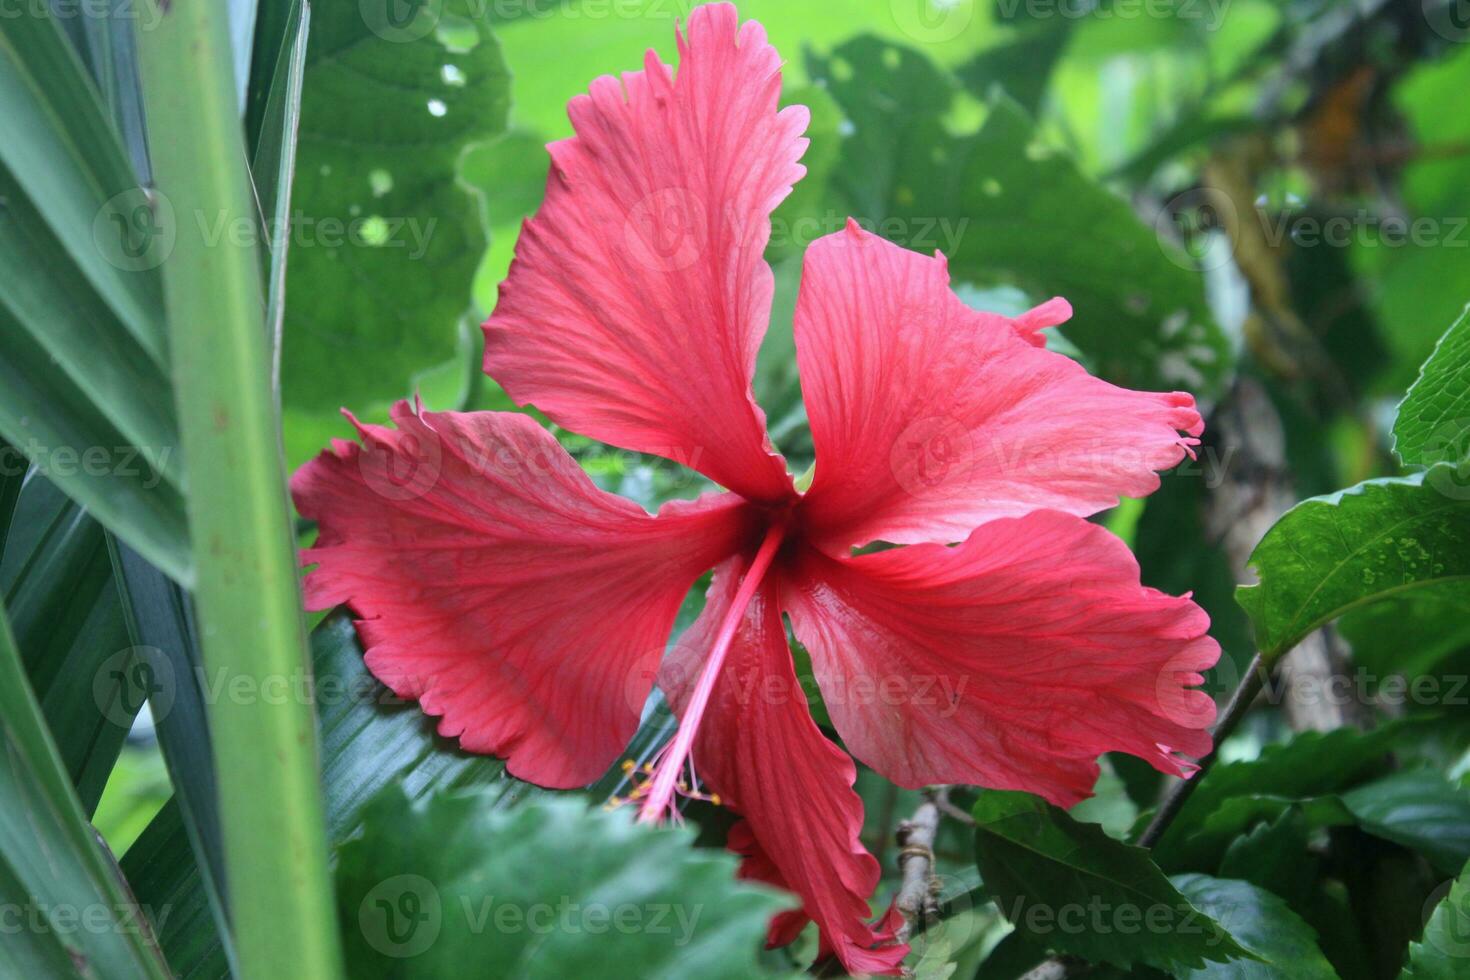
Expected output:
(1007, 644)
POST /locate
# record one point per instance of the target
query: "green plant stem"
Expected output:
(249, 602)
(1181, 791)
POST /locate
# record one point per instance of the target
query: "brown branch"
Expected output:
(918, 893)
(941, 800)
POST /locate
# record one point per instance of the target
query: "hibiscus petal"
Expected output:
(1012, 660)
(639, 295)
(930, 418)
(760, 750)
(498, 586)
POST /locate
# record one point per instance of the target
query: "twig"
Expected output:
(918, 892)
(1054, 969)
(1181, 791)
(941, 800)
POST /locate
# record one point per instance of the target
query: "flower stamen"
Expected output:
(672, 761)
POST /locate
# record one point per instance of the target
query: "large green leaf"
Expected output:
(62, 152)
(160, 623)
(1433, 424)
(56, 582)
(1332, 554)
(1286, 946)
(1234, 795)
(1412, 635)
(1069, 886)
(387, 238)
(370, 739)
(1005, 205)
(70, 331)
(104, 41)
(59, 429)
(76, 919)
(1274, 855)
(1421, 810)
(550, 890)
(1444, 951)
(82, 354)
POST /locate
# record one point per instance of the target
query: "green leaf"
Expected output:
(71, 333)
(550, 890)
(1444, 951)
(1053, 878)
(55, 424)
(1274, 856)
(1006, 206)
(1413, 636)
(162, 872)
(1421, 810)
(1285, 946)
(273, 167)
(56, 582)
(387, 237)
(82, 399)
(1433, 423)
(370, 740)
(1210, 841)
(13, 470)
(1332, 554)
(77, 920)
(104, 41)
(160, 623)
(82, 354)
(1233, 795)
(62, 152)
